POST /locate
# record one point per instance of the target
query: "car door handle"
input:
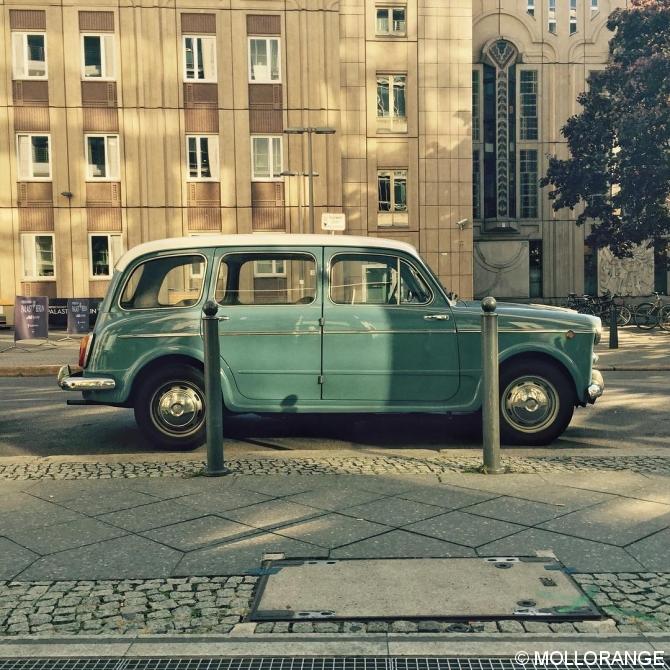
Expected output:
(436, 317)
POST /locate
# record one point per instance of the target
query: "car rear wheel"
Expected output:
(537, 401)
(170, 408)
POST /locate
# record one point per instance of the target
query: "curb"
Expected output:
(33, 370)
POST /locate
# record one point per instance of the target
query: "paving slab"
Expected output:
(653, 551)
(279, 485)
(111, 501)
(62, 536)
(14, 558)
(197, 533)
(618, 482)
(153, 515)
(63, 490)
(402, 544)
(273, 513)
(36, 514)
(333, 499)
(128, 557)
(510, 484)
(466, 529)
(165, 488)
(516, 510)
(656, 489)
(222, 501)
(579, 554)
(617, 522)
(244, 556)
(564, 496)
(332, 530)
(393, 511)
(450, 497)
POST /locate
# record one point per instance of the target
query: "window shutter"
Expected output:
(209, 57)
(27, 247)
(19, 54)
(24, 157)
(113, 156)
(108, 46)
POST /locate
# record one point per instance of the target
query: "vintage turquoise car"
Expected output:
(317, 323)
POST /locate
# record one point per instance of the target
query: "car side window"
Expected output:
(164, 282)
(277, 278)
(374, 279)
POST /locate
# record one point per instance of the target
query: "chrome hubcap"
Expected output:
(530, 404)
(178, 407)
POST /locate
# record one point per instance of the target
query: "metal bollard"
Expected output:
(213, 398)
(491, 390)
(614, 329)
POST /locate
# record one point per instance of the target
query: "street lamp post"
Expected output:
(309, 130)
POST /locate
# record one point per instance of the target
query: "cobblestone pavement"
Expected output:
(45, 469)
(632, 602)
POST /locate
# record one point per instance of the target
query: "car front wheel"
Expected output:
(537, 401)
(170, 408)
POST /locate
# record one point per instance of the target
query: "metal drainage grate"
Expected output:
(339, 663)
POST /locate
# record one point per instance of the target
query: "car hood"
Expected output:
(529, 316)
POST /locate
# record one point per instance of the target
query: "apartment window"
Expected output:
(391, 95)
(200, 59)
(270, 268)
(98, 56)
(528, 183)
(203, 157)
(391, 20)
(34, 157)
(530, 8)
(476, 107)
(528, 104)
(573, 17)
(102, 157)
(264, 60)
(594, 8)
(551, 17)
(266, 158)
(476, 184)
(392, 190)
(104, 250)
(30, 55)
(38, 256)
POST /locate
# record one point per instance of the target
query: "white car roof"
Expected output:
(260, 240)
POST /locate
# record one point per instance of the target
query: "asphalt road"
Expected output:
(35, 421)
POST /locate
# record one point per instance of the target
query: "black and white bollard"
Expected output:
(213, 398)
(490, 388)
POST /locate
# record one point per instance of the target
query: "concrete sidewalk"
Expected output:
(182, 554)
(638, 351)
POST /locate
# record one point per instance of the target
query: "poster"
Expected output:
(77, 316)
(31, 318)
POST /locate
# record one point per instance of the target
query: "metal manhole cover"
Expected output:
(445, 588)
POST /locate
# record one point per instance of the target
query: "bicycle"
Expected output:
(648, 315)
(603, 306)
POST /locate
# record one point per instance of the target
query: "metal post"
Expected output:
(310, 173)
(614, 332)
(213, 397)
(490, 388)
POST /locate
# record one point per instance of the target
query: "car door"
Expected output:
(270, 337)
(389, 336)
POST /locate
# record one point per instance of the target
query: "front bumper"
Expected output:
(77, 382)
(597, 386)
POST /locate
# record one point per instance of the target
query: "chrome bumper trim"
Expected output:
(597, 386)
(69, 382)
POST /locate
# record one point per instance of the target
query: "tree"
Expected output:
(619, 164)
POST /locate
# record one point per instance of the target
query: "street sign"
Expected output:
(332, 221)
(30, 318)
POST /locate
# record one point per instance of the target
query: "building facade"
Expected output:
(126, 122)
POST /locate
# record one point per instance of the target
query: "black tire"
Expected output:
(646, 317)
(664, 318)
(170, 407)
(524, 419)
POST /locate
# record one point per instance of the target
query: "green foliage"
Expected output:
(619, 164)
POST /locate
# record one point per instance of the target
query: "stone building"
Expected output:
(126, 122)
